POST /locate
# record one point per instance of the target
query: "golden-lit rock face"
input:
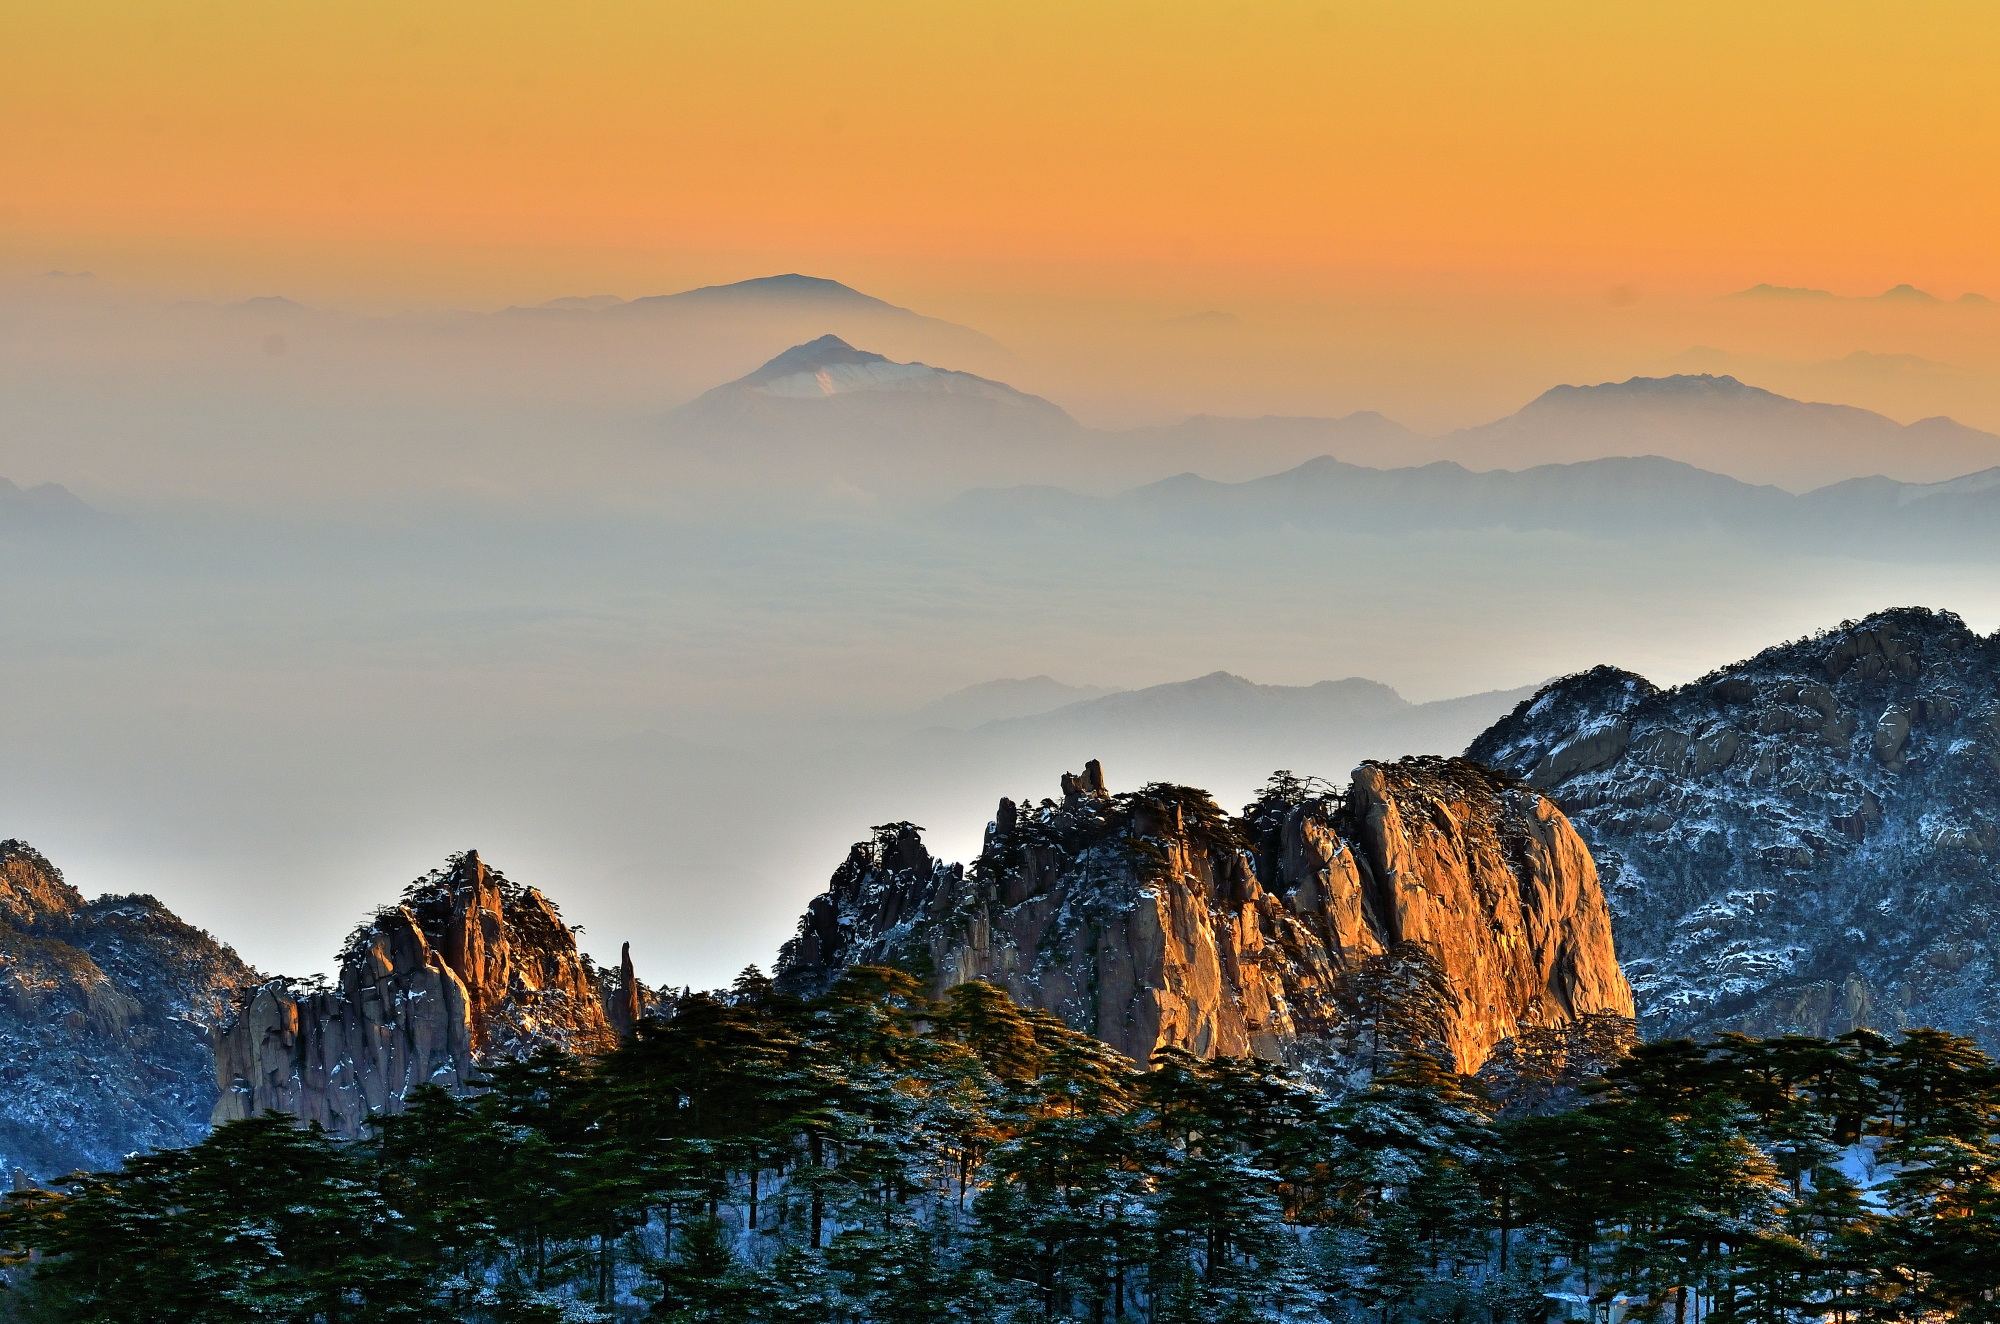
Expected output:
(469, 966)
(1154, 919)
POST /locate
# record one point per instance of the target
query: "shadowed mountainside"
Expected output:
(104, 1014)
(1804, 842)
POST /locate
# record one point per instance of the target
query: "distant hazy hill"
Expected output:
(1960, 514)
(1222, 730)
(827, 383)
(780, 310)
(999, 700)
(827, 410)
(1233, 449)
(1217, 702)
(1899, 294)
(1611, 498)
(45, 506)
(1713, 422)
(825, 417)
(1720, 424)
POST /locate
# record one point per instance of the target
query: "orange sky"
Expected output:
(1101, 146)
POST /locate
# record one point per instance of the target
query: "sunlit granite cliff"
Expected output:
(469, 966)
(1153, 918)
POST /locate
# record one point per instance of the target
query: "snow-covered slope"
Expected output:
(828, 368)
(104, 1013)
(1804, 842)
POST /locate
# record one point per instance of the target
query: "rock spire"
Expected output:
(468, 966)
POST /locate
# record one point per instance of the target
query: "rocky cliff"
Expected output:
(1153, 918)
(104, 1009)
(1808, 841)
(469, 966)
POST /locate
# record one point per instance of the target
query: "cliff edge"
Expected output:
(1431, 890)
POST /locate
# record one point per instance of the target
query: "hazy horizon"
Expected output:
(394, 563)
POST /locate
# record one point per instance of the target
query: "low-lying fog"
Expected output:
(677, 729)
(326, 629)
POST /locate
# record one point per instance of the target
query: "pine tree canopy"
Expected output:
(872, 1157)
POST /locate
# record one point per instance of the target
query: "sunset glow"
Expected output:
(1261, 147)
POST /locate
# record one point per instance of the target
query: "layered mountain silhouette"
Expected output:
(1299, 722)
(1613, 498)
(1723, 425)
(1711, 421)
(779, 308)
(1222, 730)
(829, 383)
(999, 700)
(829, 400)
(1897, 294)
(43, 507)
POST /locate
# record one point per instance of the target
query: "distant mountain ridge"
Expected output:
(1221, 730)
(1905, 293)
(1608, 498)
(788, 288)
(45, 507)
(1302, 723)
(999, 700)
(786, 302)
(1712, 422)
(1725, 426)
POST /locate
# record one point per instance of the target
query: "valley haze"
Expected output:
(663, 599)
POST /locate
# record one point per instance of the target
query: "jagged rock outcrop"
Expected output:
(1806, 842)
(1153, 918)
(104, 1009)
(470, 965)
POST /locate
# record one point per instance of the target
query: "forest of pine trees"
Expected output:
(873, 1156)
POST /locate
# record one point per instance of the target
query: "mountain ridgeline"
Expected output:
(1432, 900)
(1616, 499)
(124, 1029)
(1805, 842)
